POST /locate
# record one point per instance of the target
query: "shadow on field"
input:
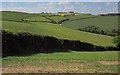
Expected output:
(24, 44)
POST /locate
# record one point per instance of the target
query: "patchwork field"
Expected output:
(60, 62)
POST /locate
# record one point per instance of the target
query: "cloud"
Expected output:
(63, 3)
(79, 3)
(59, 0)
(108, 4)
(8, 5)
(62, 6)
(111, 4)
(99, 8)
(55, 6)
(31, 2)
(68, 8)
(21, 9)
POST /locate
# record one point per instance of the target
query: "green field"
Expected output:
(80, 62)
(103, 22)
(49, 29)
(74, 55)
(79, 16)
(16, 16)
(62, 62)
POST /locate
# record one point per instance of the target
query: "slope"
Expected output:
(49, 29)
(103, 22)
(16, 16)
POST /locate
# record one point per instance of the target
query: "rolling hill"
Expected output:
(103, 22)
(16, 16)
(49, 29)
(62, 32)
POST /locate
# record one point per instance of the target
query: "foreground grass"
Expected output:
(91, 56)
(82, 62)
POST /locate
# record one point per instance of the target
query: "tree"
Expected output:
(71, 12)
(117, 41)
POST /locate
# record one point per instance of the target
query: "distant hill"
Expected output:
(103, 22)
(16, 16)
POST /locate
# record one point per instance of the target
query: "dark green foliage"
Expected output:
(92, 29)
(110, 14)
(117, 41)
(26, 44)
(97, 30)
(82, 46)
(71, 11)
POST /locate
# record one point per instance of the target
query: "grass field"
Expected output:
(103, 22)
(16, 16)
(79, 16)
(62, 62)
(81, 62)
(58, 31)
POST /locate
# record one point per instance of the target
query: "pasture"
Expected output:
(16, 16)
(80, 16)
(103, 22)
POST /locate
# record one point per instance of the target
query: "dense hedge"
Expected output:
(111, 14)
(26, 43)
(97, 30)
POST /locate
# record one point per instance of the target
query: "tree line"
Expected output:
(27, 43)
(110, 14)
(97, 30)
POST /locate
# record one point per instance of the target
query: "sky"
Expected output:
(59, 0)
(54, 6)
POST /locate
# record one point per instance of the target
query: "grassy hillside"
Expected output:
(58, 31)
(16, 16)
(103, 22)
(79, 16)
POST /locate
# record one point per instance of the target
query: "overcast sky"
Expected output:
(37, 6)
